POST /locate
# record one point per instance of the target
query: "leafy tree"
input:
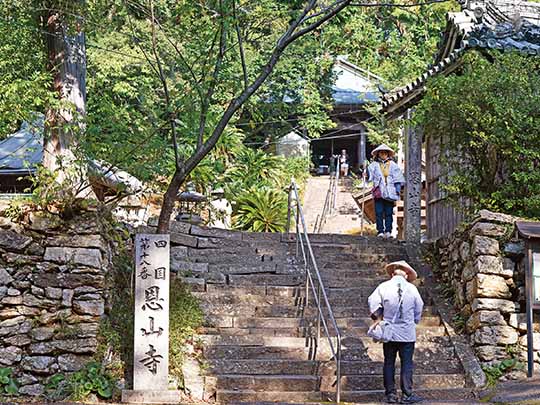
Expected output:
(490, 120)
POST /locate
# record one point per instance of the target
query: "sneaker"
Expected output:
(411, 399)
(388, 235)
(391, 399)
(380, 235)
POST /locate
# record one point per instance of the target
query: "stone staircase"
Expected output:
(259, 339)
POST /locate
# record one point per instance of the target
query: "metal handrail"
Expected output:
(329, 201)
(314, 282)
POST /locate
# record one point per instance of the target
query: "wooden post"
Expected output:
(413, 190)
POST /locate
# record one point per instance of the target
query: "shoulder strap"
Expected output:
(398, 305)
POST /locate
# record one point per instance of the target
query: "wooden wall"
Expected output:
(441, 217)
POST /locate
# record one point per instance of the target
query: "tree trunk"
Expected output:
(169, 199)
(67, 62)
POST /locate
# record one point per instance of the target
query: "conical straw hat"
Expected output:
(402, 265)
(381, 148)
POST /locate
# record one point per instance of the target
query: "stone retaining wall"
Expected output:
(483, 263)
(52, 296)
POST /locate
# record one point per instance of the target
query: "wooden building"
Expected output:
(505, 25)
(353, 88)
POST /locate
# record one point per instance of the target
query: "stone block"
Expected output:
(536, 341)
(489, 286)
(43, 221)
(187, 268)
(72, 362)
(13, 241)
(215, 232)
(490, 216)
(490, 353)
(491, 265)
(17, 340)
(3, 291)
(13, 292)
(78, 241)
(488, 229)
(34, 390)
(179, 227)
(81, 256)
(179, 253)
(42, 333)
(195, 284)
(494, 304)
(39, 364)
(10, 355)
(67, 297)
(499, 335)
(53, 293)
(67, 280)
(484, 318)
(151, 397)
(5, 277)
(184, 240)
(483, 245)
(96, 308)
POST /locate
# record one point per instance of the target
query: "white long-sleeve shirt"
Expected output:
(386, 296)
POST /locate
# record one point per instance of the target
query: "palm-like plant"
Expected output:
(261, 210)
(255, 167)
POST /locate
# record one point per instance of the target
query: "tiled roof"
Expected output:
(506, 25)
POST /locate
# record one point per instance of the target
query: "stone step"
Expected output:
(263, 367)
(433, 395)
(267, 280)
(278, 382)
(323, 368)
(281, 291)
(228, 298)
(355, 367)
(368, 382)
(253, 397)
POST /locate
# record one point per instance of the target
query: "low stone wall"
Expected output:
(483, 264)
(52, 296)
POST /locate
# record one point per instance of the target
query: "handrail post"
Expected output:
(289, 206)
(338, 368)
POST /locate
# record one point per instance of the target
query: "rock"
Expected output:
(487, 229)
(514, 249)
(40, 292)
(8, 313)
(215, 232)
(34, 390)
(29, 311)
(53, 293)
(72, 362)
(13, 241)
(536, 341)
(67, 297)
(179, 253)
(465, 251)
(87, 345)
(489, 286)
(88, 330)
(482, 245)
(5, 277)
(484, 318)
(10, 355)
(189, 268)
(12, 300)
(491, 265)
(67, 280)
(32, 301)
(178, 227)
(96, 308)
(184, 240)
(42, 348)
(42, 333)
(79, 241)
(496, 217)
(39, 364)
(496, 335)
(195, 284)
(3, 291)
(35, 249)
(81, 256)
(13, 292)
(27, 379)
(490, 353)
(493, 304)
(17, 340)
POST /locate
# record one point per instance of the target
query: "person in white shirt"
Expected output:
(221, 210)
(398, 299)
(344, 163)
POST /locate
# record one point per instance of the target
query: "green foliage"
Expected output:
(185, 317)
(492, 133)
(495, 372)
(261, 210)
(92, 379)
(7, 382)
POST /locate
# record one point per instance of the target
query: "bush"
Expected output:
(261, 210)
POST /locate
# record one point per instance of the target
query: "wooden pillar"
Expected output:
(413, 175)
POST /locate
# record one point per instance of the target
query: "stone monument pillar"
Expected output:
(151, 330)
(412, 209)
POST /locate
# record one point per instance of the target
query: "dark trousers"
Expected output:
(406, 351)
(384, 210)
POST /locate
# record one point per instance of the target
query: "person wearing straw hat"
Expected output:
(387, 180)
(400, 304)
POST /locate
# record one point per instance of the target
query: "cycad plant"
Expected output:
(261, 210)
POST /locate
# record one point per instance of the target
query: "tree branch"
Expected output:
(240, 46)
(398, 5)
